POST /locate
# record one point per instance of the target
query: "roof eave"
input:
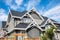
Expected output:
(16, 17)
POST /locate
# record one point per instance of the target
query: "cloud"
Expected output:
(3, 15)
(8, 2)
(14, 4)
(55, 10)
(32, 3)
(14, 7)
(18, 2)
(55, 17)
(53, 13)
(41, 10)
(52, 3)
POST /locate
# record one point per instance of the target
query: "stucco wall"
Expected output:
(33, 33)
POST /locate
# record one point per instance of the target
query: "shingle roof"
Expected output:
(53, 20)
(16, 13)
(45, 18)
(3, 24)
(22, 25)
(57, 23)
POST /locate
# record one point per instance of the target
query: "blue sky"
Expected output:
(48, 8)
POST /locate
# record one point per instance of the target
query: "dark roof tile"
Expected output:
(22, 25)
(16, 13)
(3, 24)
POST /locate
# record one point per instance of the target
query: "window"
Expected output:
(26, 20)
(20, 38)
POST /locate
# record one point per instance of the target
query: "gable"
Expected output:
(24, 22)
(47, 24)
(34, 31)
(36, 17)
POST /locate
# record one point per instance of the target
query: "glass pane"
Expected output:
(20, 38)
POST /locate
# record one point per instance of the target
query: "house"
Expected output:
(30, 23)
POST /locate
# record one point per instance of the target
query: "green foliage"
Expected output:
(49, 33)
(43, 37)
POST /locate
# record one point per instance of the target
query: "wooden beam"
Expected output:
(19, 34)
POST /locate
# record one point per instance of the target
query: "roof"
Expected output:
(16, 13)
(22, 25)
(45, 18)
(3, 24)
(19, 14)
(57, 23)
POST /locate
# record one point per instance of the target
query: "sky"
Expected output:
(48, 8)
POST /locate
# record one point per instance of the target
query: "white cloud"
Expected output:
(3, 15)
(53, 13)
(14, 7)
(52, 3)
(18, 2)
(32, 3)
(8, 2)
(55, 17)
(12, 4)
(49, 5)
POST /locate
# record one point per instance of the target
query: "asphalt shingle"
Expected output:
(16, 13)
(22, 25)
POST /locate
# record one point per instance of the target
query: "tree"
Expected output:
(49, 33)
